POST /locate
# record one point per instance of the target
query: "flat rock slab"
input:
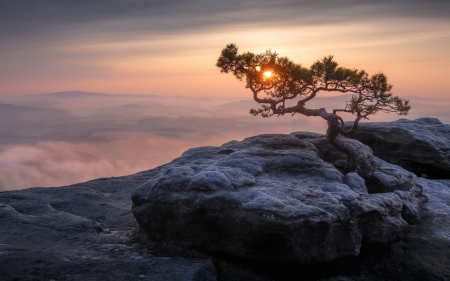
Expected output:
(272, 198)
(421, 146)
(83, 232)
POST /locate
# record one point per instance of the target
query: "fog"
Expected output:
(50, 163)
(64, 138)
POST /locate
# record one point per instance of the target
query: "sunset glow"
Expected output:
(171, 48)
(165, 53)
(267, 74)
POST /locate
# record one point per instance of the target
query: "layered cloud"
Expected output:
(170, 47)
(28, 17)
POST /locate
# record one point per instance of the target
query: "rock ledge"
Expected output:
(271, 197)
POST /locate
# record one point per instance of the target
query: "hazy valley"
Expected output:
(68, 137)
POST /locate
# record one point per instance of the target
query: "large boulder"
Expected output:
(271, 197)
(84, 232)
(421, 146)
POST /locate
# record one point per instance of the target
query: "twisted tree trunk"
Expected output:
(359, 156)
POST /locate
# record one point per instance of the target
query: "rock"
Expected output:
(272, 198)
(425, 254)
(87, 231)
(364, 158)
(326, 151)
(356, 183)
(421, 146)
(444, 182)
(380, 177)
(83, 232)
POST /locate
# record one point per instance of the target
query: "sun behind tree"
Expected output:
(281, 80)
(267, 74)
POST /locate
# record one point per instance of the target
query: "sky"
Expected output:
(170, 47)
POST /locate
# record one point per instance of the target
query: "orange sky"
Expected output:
(171, 49)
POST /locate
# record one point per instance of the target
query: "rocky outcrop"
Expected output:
(84, 232)
(272, 198)
(87, 231)
(379, 177)
(421, 146)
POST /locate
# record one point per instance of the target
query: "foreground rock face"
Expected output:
(31, 251)
(87, 232)
(421, 146)
(272, 198)
(83, 232)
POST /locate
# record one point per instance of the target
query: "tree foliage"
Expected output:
(290, 81)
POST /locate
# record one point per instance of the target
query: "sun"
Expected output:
(267, 74)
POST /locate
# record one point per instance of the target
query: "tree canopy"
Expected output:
(283, 86)
(289, 80)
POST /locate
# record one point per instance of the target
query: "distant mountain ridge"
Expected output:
(10, 112)
(82, 94)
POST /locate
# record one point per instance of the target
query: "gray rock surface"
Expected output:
(326, 151)
(421, 146)
(87, 232)
(271, 197)
(356, 183)
(83, 232)
(379, 178)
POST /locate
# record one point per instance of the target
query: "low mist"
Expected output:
(70, 137)
(62, 163)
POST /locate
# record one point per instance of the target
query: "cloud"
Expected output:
(137, 18)
(48, 150)
(126, 45)
(62, 163)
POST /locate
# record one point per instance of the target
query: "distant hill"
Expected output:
(81, 94)
(73, 94)
(14, 113)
